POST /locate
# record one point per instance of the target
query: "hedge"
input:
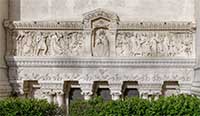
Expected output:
(28, 107)
(181, 105)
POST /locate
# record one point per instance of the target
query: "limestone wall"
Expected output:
(4, 87)
(131, 10)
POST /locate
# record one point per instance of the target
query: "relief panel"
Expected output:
(155, 44)
(47, 43)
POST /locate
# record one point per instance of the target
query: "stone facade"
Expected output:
(47, 59)
(5, 88)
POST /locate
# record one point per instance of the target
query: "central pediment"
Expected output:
(100, 13)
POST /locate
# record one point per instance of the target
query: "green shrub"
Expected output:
(28, 107)
(181, 105)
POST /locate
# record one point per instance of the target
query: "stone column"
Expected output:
(60, 99)
(50, 97)
(144, 94)
(157, 95)
(87, 88)
(116, 95)
(196, 82)
(115, 89)
(5, 88)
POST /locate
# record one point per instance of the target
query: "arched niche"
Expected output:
(100, 28)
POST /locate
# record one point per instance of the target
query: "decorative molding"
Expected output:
(98, 62)
(157, 26)
(57, 77)
(78, 25)
(43, 25)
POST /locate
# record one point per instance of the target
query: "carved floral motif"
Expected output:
(184, 75)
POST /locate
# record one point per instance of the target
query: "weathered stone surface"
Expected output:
(196, 82)
(4, 85)
(54, 46)
(128, 10)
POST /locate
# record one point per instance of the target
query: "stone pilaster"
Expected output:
(185, 88)
(5, 88)
(196, 81)
(87, 49)
(113, 33)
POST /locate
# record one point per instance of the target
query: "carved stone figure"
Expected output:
(41, 47)
(55, 48)
(28, 46)
(75, 43)
(16, 42)
(101, 44)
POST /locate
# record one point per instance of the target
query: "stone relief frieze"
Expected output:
(154, 44)
(47, 43)
(183, 75)
(128, 43)
(100, 34)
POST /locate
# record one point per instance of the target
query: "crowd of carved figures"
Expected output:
(66, 43)
(37, 43)
(154, 44)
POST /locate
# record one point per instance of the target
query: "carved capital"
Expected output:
(59, 92)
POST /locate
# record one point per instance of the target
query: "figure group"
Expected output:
(33, 43)
(154, 44)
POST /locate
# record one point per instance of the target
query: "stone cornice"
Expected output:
(158, 26)
(43, 25)
(78, 25)
(98, 62)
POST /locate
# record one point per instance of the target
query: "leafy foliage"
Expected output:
(28, 107)
(182, 105)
